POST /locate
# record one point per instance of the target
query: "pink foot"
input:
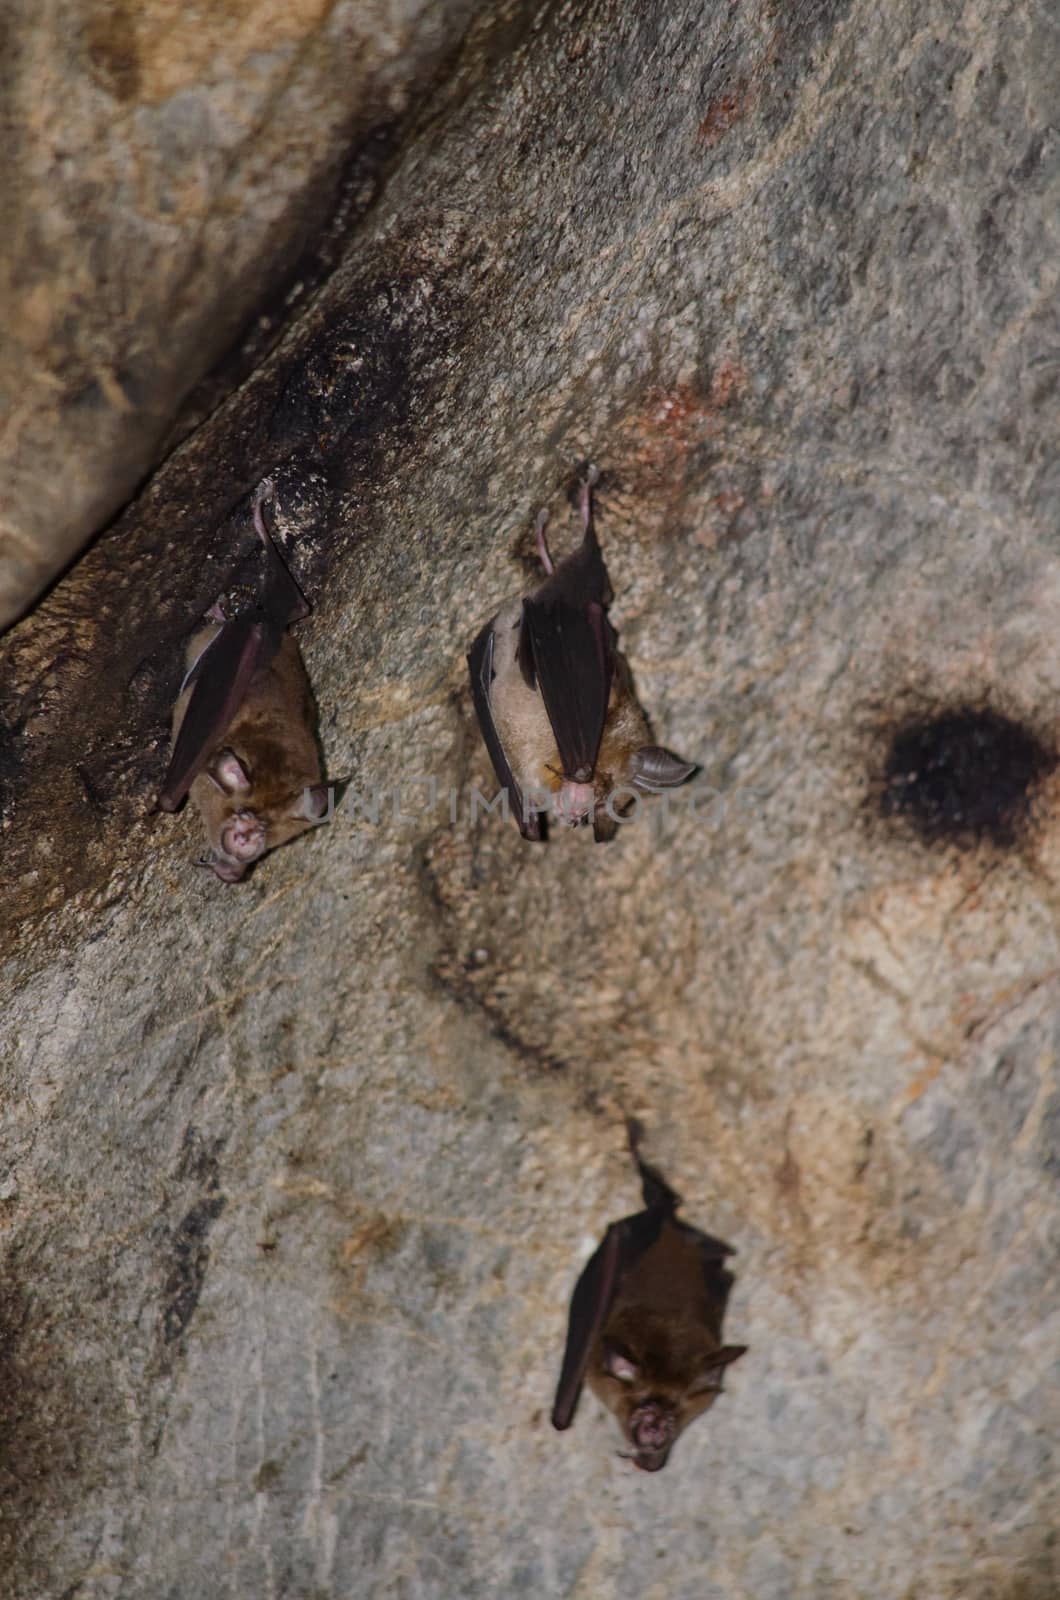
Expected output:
(585, 495)
(262, 493)
(542, 547)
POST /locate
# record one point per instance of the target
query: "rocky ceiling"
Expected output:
(296, 1176)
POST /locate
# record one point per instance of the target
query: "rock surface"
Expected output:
(297, 1176)
(168, 170)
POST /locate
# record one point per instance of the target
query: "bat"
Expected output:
(554, 698)
(243, 744)
(645, 1324)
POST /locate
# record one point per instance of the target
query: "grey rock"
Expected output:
(789, 278)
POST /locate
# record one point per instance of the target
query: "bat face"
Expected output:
(243, 744)
(656, 1372)
(555, 701)
(645, 1325)
(262, 787)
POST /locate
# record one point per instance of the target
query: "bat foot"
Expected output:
(287, 598)
(585, 495)
(542, 547)
(265, 491)
(658, 1196)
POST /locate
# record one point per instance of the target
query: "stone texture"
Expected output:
(298, 1176)
(166, 172)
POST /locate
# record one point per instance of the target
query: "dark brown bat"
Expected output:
(555, 701)
(243, 744)
(645, 1324)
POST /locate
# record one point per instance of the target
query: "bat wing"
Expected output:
(220, 679)
(282, 600)
(221, 676)
(480, 666)
(565, 651)
(716, 1276)
(594, 1294)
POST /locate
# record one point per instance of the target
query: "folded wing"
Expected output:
(565, 650)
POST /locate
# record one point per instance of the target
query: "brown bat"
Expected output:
(645, 1324)
(555, 701)
(243, 744)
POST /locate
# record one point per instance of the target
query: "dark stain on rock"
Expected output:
(9, 766)
(964, 776)
(189, 1252)
(357, 188)
(457, 985)
(113, 50)
(188, 1272)
(1039, 1578)
(41, 1418)
(353, 381)
(463, 971)
(269, 1473)
(92, 675)
(1048, 1139)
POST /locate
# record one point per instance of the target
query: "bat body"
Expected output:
(555, 701)
(243, 744)
(645, 1325)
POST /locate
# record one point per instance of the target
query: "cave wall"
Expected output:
(168, 180)
(297, 1176)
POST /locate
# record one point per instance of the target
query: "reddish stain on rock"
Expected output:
(673, 411)
(727, 381)
(725, 110)
(666, 428)
(672, 420)
(662, 436)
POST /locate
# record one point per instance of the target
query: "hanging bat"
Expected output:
(555, 702)
(645, 1324)
(243, 744)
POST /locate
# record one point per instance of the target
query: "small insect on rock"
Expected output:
(243, 744)
(645, 1324)
(555, 701)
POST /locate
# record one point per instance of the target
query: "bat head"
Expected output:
(245, 818)
(655, 1399)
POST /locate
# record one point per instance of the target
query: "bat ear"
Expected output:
(316, 804)
(228, 773)
(714, 1365)
(657, 768)
(727, 1354)
(620, 1366)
